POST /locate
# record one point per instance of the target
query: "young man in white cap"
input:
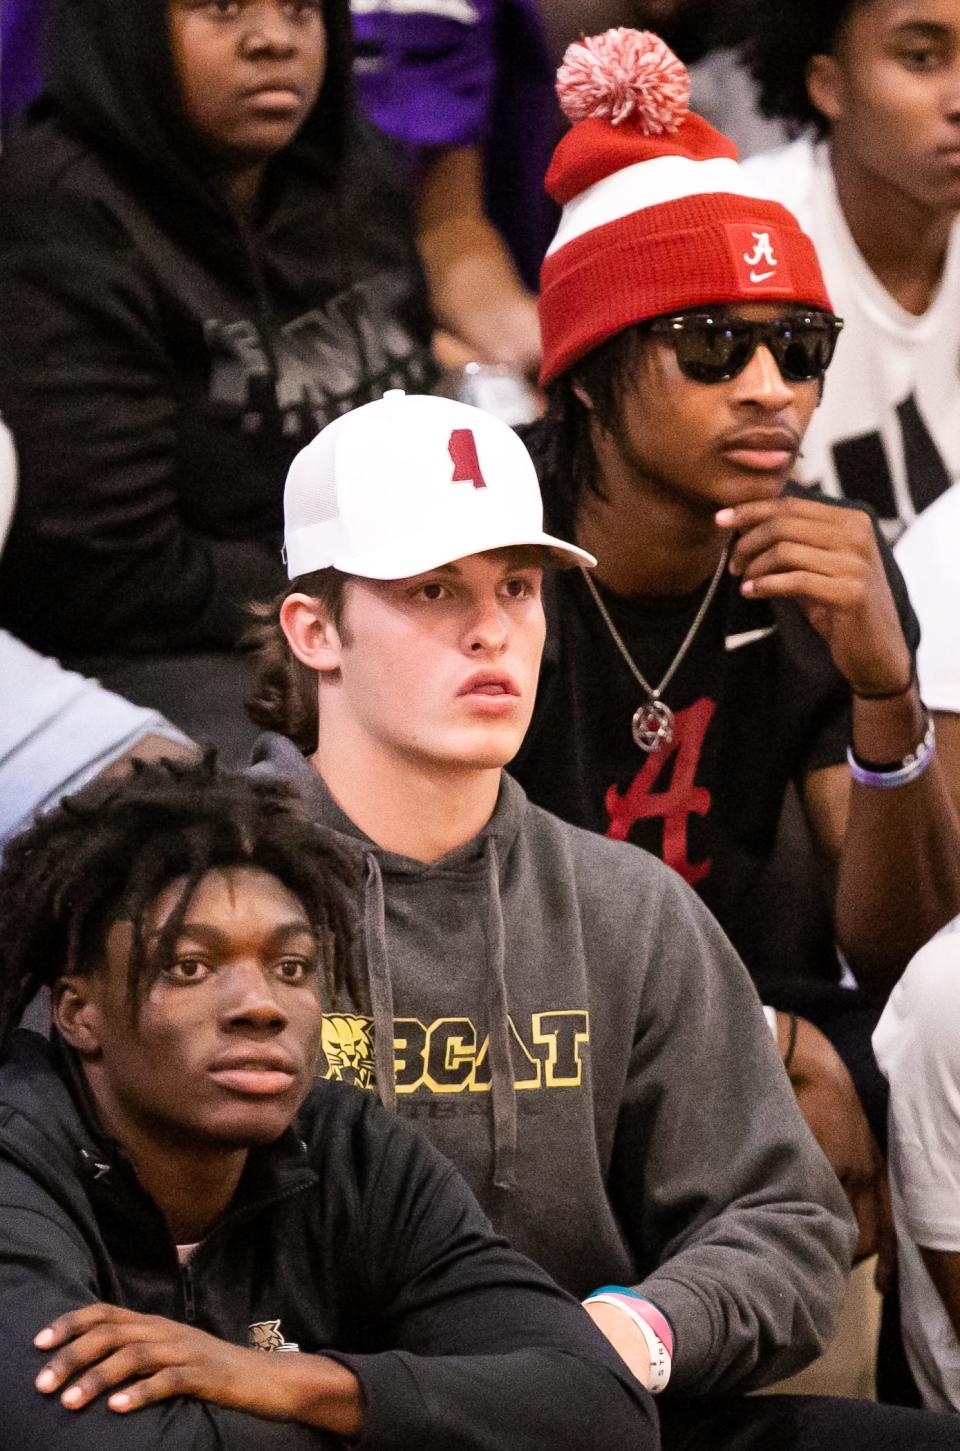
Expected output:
(558, 1013)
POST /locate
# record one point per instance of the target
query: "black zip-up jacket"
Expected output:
(161, 361)
(350, 1236)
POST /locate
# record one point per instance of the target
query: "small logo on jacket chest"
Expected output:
(266, 1335)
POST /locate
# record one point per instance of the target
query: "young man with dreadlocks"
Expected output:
(871, 89)
(178, 1194)
(558, 1013)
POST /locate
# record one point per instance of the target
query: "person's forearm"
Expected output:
(475, 290)
(476, 293)
(541, 1399)
(899, 872)
(320, 1392)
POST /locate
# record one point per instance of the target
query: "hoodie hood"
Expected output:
(110, 77)
(45, 1130)
(485, 857)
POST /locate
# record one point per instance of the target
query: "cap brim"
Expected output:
(403, 561)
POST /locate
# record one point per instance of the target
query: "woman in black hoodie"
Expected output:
(204, 256)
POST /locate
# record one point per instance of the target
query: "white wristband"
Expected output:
(660, 1360)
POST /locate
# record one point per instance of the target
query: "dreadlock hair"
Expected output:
(562, 444)
(107, 853)
(777, 41)
(284, 695)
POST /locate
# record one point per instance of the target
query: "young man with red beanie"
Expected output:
(738, 634)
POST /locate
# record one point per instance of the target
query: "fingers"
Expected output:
(853, 523)
(116, 1342)
(68, 1326)
(785, 529)
(171, 1381)
(125, 1365)
(788, 535)
(803, 584)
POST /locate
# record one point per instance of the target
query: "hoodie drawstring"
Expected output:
(381, 988)
(503, 1091)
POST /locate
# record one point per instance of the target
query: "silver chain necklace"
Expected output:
(652, 724)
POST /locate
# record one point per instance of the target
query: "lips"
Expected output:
(762, 450)
(255, 1074)
(277, 84)
(491, 683)
(280, 96)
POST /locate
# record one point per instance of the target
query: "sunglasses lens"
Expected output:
(714, 350)
(709, 352)
(804, 351)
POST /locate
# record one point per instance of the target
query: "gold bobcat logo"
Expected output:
(348, 1048)
(266, 1335)
(450, 1056)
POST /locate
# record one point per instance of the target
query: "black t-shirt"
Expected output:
(757, 703)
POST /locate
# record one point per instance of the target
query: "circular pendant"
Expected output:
(653, 725)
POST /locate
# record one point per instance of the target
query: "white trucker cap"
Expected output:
(405, 484)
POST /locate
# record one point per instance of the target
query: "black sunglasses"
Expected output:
(711, 348)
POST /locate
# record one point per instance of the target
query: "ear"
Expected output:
(310, 632)
(75, 1008)
(825, 86)
(583, 396)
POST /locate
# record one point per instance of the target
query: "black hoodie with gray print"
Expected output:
(566, 1021)
(162, 361)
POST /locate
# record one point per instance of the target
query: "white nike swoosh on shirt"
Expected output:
(760, 276)
(748, 637)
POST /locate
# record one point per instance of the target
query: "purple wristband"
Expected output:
(911, 769)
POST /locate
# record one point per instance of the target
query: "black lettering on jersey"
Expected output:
(927, 474)
(864, 473)
(863, 469)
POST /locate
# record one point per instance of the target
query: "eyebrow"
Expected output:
(926, 29)
(213, 937)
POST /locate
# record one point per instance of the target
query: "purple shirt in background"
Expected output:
(469, 73)
(21, 28)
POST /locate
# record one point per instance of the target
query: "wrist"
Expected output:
(652, 1324)
(887, 729)
(318, 1391)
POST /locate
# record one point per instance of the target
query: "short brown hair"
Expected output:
(284, 695)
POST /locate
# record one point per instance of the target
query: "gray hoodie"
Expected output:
(572, 1028)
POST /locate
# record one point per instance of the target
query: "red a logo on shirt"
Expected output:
(681, 799)
(466, 465)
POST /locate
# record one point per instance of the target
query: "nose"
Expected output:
(486, 632)
(249, 1001)
(761, 384)
(952, 94)
(269, 30)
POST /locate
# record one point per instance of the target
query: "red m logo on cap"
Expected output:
(466, 465)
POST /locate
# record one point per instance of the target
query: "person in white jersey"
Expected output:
(927, 555)
(873, 88)
(918, 1048)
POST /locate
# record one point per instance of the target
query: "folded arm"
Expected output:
(738, 1225)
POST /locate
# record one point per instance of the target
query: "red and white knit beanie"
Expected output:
(655, 216)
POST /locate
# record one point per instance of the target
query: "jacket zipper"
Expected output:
(239, 1216)
(189, 1298)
